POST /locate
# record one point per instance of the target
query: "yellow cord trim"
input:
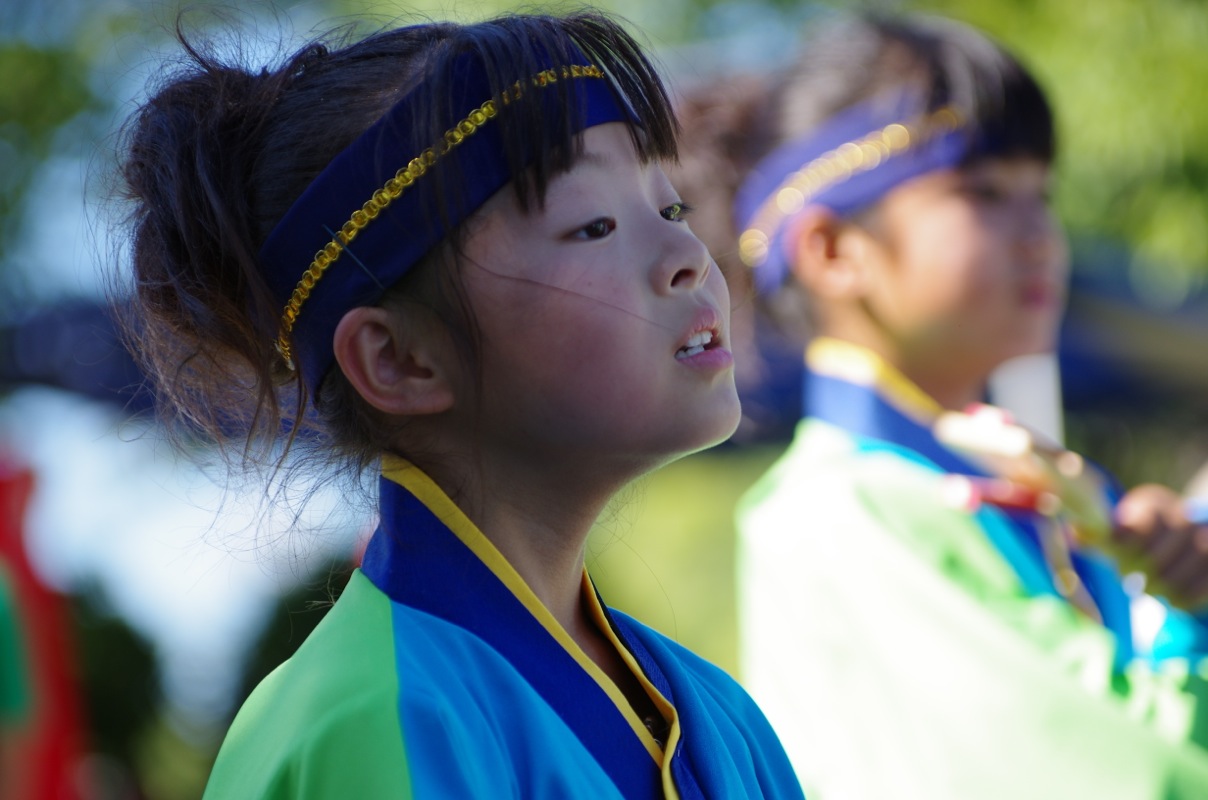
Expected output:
(394, 188)
(833, 167)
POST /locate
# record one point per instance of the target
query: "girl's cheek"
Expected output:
(720, 288)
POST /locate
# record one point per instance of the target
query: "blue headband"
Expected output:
(846, 164)
(370, 216)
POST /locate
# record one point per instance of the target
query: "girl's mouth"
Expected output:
(698, 343)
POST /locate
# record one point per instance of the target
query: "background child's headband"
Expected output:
(371, 214)
(845, 165)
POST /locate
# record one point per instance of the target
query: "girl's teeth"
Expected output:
(695, 345)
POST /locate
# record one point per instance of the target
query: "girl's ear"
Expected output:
(401, 364)
(828, 255)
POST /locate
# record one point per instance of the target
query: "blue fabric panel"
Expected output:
(419, 563)
(463, 740)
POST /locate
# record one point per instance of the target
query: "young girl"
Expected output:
(906, 644)
(452, 248)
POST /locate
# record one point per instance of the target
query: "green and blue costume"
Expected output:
(439, 674)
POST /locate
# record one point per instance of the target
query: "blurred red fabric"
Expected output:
(50, 748)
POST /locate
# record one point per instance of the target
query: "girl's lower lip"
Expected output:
(715, 358)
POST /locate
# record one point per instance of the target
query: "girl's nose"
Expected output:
(685, 264)
(1041, 241)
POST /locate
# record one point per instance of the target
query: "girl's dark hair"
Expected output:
(220, 151)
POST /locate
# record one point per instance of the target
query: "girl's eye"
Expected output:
(992, 195)
(597, 229)
(984, 192)
(676, 212)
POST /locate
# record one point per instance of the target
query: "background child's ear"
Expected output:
(400, 364)
(828, 254)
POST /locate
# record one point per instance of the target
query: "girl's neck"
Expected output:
(539, 519)
(540, 523)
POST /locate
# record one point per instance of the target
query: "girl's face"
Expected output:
(604, 320)
(969, 265)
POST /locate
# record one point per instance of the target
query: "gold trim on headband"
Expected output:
(832, 167)
(394, 188)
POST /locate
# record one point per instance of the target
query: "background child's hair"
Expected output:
(730, 126)
(220, 151)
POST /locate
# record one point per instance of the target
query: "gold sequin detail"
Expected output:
(832, 167)
(394, 188)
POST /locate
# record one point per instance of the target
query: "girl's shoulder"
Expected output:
(386, 701)
(327, 715)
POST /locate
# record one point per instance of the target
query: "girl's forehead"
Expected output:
(602, 146)
(607, 155)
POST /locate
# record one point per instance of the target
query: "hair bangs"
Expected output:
(542, 130)
(1001, 103)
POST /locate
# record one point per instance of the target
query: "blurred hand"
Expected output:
(1152, 535)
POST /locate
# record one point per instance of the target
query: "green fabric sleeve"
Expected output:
(324, 725)
(15, 697)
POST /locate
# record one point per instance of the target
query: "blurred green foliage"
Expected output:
(119, 682)
(1127, 80)
(43, 88)
(664, 550)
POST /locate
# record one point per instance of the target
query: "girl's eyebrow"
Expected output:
(597, 161)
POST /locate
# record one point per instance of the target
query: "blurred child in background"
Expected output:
(924, 615)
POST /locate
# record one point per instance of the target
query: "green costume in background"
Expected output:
(905, 648)
(14, 684)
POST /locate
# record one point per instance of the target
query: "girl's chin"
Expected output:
(703, 438)
(722, 431)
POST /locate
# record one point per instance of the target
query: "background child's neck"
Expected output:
(951, 389)
(952, 380)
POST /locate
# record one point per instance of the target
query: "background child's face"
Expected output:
(969, 265)
(586, 309)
